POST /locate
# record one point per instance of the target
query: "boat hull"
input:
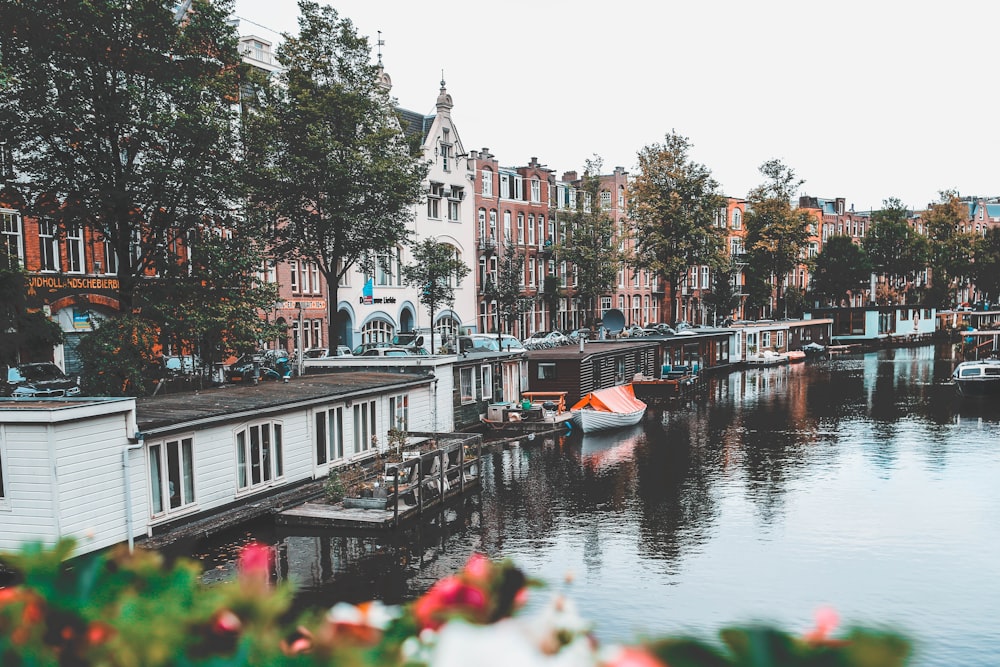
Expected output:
(978, 378)
(598, 420)
(979, 387)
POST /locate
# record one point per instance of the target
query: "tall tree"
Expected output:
(986, 265)
(589, 243)
(894, 248)
(723, 299)
(950, 247)
(841, 267)
(674, 204)
(123, 110)
(436, 271)
(776, 233)
(507, 290)
(341, 177)
(552, 294)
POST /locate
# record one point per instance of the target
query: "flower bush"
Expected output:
(135, 609)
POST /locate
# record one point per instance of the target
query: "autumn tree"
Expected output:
(124, 111)
(897, 252)
(776, 234)
(951, 248)
(841, 268)
(589, 243)
(436, 271)
(338, 172)
(674, 203)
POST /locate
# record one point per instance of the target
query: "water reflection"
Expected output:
(861, 482)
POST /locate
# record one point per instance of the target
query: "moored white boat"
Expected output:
(608, 408)
(767, 358)
(977, 378)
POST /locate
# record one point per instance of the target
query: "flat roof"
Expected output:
(184, 410)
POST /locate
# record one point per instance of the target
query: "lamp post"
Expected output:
(300, 358)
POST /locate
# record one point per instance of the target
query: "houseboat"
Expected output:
(107, 471)
(580, 369)
(872, 326)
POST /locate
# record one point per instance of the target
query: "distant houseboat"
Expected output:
(581, 369)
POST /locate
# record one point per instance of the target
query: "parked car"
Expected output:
(478, 343)
(551, 337)
(39, 380)
(175, 365)
(316, 353)
(252, 368)
(508, 342)
(393, 352)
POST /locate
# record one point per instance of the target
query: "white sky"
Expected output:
(863, 99)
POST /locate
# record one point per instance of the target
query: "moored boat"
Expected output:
(608, 408)
(977, 378)
(767, 358)
(794, 356)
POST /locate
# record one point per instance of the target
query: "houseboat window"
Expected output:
(329, 435)
(399, 408)
(487, 382)
(364, 426)
(171, 475)
(547, 371)
(259, 455)
(467, 384)
(779, 339)
(619, 370)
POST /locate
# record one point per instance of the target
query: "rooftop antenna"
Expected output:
(380, 43)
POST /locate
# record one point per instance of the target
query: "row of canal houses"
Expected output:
(112, 470)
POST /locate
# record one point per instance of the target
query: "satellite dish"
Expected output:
(614, 320)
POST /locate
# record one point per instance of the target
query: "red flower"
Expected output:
(226, 623)
(450, 596)
(630, 656)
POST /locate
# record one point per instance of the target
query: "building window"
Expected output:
(304, 277)
(377, 331)
(467, 385)
(493, 224)
(506, 226)
(314, 275)
(536, 190)
(621, 197)
(399, 410)
(110, 258)
(433, 208)
(605, 200)
(10, 225)
(317, 333)
(454, 211)
(486, 376)
(364, 426)
(505, 186)
(74, 249)
(259, 456)
(293, 281)
(546, 371)
(518, 187)
(737, 219)
(765, 339)
(48, 245)
(329, 435)
(531, 229)
(171, 475)
(704, 278)
(487, 183)
(531, 271)
(520, 229)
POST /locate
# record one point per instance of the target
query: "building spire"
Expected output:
(379, 44)
(444, 102)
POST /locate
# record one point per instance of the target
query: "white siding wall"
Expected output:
(28, 511)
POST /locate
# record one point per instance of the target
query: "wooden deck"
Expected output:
(422, 481)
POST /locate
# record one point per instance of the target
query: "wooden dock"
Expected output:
(421, 481)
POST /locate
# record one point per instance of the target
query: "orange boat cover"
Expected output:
(613, 399)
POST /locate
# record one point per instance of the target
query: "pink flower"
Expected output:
(478, 567)
(826, 622)
(255, 563)
(629, 656)
(449, 595)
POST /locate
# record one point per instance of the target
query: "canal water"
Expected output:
(860, 482)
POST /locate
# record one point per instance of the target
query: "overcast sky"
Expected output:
(865, 100)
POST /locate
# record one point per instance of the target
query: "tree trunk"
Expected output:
(333, 298)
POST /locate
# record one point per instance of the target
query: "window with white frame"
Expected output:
(779, 339)
(505, 185)
(506, 226)
(605, 200)
(314, 278)
(364, 426)
(171, 475)
(546, 370)
(518, 187)
(737, 219)
(493, 224)
(520, 229)
(531, 271)
(304, 277)
(329, 435)
(377, 331)
(317, 333)
(605, 303)
(293, 272)
(621, 198)
(531, 229)
(536, 190)
(11, 242)
(74, 249)
(48, 245)
(110, 258)
(481, 222)
(486, 383)
(399, 411)
(704, 278)
(765, 339)
(259, 455)
(467, 384)
(487, 183)
(446, 157)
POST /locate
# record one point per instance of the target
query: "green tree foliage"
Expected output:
(125, 113)
(776, 233)
(589, 243)
(895, 249)
(507, 291)
(210, 299)
(951, 249)
(841, 268)
(723, 299)
(336, 169)
(21, 330)
(986, 265)
(117, 358)
(436, 271)
(674, 203)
